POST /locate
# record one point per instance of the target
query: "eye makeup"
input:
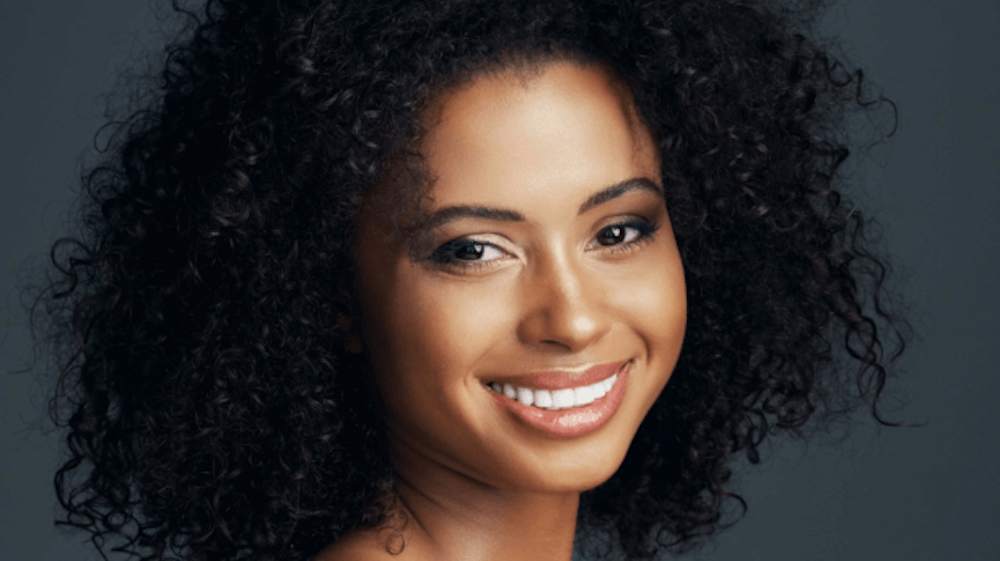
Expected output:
(470, 254)
(624, 236)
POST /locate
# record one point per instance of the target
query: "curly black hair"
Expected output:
(212, 411)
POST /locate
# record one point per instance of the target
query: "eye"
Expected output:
(616, 234)
(623, 235)
(465, 252)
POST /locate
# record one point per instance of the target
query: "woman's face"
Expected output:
(541, 264)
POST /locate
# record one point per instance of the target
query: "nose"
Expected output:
(564, 305)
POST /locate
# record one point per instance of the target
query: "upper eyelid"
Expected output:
(628, 220)
(483, 243)
(478, 239)
(622, 220)
(643, 226)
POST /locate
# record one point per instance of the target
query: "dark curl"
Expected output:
(212, 410)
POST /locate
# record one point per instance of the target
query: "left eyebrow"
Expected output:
(619, 189)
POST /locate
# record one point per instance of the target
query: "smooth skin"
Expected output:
(544, 244)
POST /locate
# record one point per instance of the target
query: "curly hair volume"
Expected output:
(212, 411)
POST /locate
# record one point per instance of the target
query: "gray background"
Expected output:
(913, 494)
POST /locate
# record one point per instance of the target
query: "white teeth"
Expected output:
(556, 399)
(583, 396)
(509, 391)
(610, 382)
(562, 399)
(543, 399)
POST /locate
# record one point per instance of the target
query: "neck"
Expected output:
(450, 515)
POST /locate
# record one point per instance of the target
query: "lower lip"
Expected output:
(576, 421)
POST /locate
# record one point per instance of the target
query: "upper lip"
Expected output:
(559, 378)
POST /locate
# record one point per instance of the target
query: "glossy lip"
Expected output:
(576, 421)
(562, 379)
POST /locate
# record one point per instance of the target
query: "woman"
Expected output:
(408, 280)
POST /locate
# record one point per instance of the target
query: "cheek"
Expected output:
(654, 301)
(431, 333)
(429, 338)
(663, 303)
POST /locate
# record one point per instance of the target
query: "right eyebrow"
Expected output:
(443, 216)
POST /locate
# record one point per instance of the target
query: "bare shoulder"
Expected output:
(359, 545)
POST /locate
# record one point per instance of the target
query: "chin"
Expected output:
(579, 468)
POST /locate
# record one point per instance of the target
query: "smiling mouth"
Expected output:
(556, 399)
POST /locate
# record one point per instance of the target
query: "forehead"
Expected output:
(512, 137)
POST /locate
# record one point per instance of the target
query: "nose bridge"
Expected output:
(565, 303)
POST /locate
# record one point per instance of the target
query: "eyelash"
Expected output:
(445, 256)
(645, 233)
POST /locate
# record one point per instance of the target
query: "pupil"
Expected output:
(471, 251)
(612, 235)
